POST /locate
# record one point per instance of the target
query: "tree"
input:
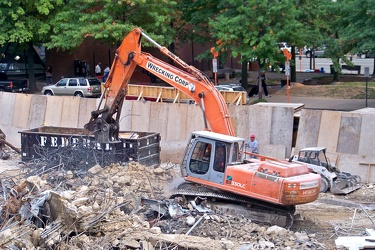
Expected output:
(252, 29)
(358, 32)
(309, 15)
(110, 21)
(26, 22)
(65, 24)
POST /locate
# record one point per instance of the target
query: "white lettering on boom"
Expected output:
(165, 73)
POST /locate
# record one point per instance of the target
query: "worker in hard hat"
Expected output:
(253, 146)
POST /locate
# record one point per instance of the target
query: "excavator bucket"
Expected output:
(346, 183)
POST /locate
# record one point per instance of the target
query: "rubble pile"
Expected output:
(123, 207)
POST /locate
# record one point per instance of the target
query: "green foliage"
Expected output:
(65, 24)
(258, 101)
(110, 21)
(24, 21)
(252, 29)
(358, 31)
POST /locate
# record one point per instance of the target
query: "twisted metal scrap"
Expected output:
(79, 154)
(77, 157)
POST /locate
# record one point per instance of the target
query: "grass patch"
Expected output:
(357, 84)
(258, 101)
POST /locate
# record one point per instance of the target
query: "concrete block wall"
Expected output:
(19, 112)
(348, 136)
(174, 122)
(273, 126)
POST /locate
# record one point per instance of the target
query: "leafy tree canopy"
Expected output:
(252, 29)
(23, 21)
(111, 21)
(358, 21)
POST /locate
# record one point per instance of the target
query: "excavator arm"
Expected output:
(104, 123)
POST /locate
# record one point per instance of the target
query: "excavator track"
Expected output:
(254, 209)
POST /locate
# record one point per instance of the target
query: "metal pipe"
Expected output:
(101, 98)
(196, 223)
(364, 210)
(201, 95)
(151, 40)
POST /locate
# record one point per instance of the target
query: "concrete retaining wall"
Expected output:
(349, 136)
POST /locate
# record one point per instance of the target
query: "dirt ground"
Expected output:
(321, 220)
(325, 86)
(330, 221)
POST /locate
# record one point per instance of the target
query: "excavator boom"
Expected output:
(104, 123)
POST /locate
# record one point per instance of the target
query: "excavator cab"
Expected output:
(208, 154)
(315, 156)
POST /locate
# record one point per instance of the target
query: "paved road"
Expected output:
(324, 103)
(324, 63)
(314, 102)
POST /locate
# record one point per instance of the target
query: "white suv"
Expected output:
(75, 86)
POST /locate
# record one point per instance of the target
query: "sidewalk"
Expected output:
(323, 103)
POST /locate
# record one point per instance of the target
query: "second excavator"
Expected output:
(214, 164)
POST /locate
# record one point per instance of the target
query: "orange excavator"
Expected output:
(214, 164)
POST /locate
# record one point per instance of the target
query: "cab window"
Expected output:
(220, 157)
(200, 159)
(235, 152)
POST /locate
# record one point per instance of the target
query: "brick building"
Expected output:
(82, 60)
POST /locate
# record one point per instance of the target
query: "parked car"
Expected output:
(233, 87)
(285, 45)
(366, 54)
(75, 86)
(318, 52)
(13, 85)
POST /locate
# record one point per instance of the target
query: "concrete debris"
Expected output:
(3, 154)
(3, 143)
(123, 207)
(357, 242)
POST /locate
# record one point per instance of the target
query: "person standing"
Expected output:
(98, 70)
(253, 146)
(263, 78)
(49, 76)
(106, 72)
(264, 85)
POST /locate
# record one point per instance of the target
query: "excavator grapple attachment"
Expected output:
(346, 183)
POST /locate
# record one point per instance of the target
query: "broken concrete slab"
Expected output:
(357, 242)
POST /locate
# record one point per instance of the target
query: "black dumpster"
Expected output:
(142, 147)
